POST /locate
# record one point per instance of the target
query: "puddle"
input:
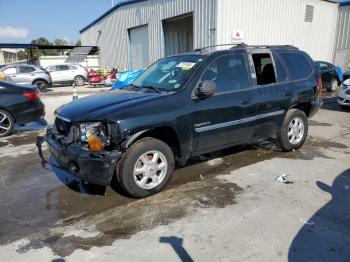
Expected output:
(144, 214)
(22, 139)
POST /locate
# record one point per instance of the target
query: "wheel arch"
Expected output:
(39, 79)
(164, 133)
(13, 116)
(303, 106)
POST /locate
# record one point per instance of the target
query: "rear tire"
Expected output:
(79, 80)
(294, 130)
(42, 85)
(145, 168)
(6, 123)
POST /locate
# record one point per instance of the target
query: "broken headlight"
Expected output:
(94, 135)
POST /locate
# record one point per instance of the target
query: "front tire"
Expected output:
(294, 130)
(146, 167)
(6, 123)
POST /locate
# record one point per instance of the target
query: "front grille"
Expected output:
(63, 127)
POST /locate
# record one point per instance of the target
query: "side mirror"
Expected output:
(205, 89)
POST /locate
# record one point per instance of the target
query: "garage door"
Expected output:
(139, 53)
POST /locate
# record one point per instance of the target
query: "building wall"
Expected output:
(90, 62)
(111, 33)
(280, 22)
(342, 56)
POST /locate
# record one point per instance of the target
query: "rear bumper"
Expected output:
(93, 167)
(315, 106)
(30, 111)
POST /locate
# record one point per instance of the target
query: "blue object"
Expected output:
(339, 71)
(125, 78)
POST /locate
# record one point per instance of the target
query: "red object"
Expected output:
(31, 95)
(96, 79)
(111, 76)
(91, 73)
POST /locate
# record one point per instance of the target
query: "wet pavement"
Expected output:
(50, 208)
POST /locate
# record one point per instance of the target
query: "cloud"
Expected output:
(13, 32)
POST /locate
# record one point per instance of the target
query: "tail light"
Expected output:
(319, 86)
(32, 95)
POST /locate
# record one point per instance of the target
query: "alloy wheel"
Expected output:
(150, 169)
(5, 123)
(296, 130)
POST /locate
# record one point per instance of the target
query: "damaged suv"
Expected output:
(184, 106)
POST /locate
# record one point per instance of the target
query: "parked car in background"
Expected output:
(28, 75)
(68, 74)
(331, 75)
(184, 106)
(18, 104)
(344, 94)
(346, 75)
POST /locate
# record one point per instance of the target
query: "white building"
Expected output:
(135, 33)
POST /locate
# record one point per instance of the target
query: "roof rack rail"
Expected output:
(271, 46)
(207, 47)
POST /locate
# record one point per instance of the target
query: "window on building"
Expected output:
(265, 72)
(309, 13)
(26, 69)
(230, 73)
(298, 66)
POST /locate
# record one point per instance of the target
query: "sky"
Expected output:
(24, 20)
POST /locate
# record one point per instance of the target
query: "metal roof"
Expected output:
(128, 2)
(120, 4)
(36, 46)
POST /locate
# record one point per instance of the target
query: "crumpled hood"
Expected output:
(97, 107)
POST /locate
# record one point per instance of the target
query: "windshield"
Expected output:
(170, 73)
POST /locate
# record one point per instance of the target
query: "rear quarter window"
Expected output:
(297, 64)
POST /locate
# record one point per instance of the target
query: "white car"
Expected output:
(67, 73)
(344, 94)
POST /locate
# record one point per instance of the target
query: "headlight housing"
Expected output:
(94, 135)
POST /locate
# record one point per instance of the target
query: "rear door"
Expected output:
(272, 94)
(227, 117)
(25, 75)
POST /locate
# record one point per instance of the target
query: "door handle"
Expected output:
(245, 101)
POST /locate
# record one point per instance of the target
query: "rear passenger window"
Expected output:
(264, 69)
(229, 72)
(298, 66)
(26, 69)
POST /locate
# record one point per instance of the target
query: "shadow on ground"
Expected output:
(176, 244)
(326, 237)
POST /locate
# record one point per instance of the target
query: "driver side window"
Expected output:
(229, 72)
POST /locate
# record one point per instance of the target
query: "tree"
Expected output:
(78, 43)
(22, 55)
(61, 42)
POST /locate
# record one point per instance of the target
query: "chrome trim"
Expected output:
(62, 118)
(237, 122)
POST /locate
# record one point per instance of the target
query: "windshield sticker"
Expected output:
(186, 65)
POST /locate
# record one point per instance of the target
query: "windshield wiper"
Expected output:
(153, 88)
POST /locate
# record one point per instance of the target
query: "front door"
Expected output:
(226, 117)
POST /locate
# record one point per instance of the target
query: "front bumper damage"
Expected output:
(93, 167)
